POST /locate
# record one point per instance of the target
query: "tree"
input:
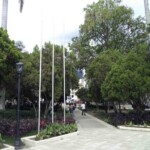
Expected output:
(9, 55)
(110, 26)
(82, 93)
(129, 80)
(71, 75)
(70, 71)
(98, 70)
(31, 75)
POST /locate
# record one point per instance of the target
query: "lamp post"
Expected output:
(19, 67)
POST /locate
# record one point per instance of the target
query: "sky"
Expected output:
(56, 21)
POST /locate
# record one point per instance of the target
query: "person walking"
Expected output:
(83, 107)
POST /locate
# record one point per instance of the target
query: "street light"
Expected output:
(19, 68)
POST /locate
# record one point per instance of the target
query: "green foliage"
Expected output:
(8, 57)
(98, 69)
(55, 130)
(30, 78)
(109, 26)
(1, 142)
(11, 114)
(129, 80)
(83, 94)
(31, 74)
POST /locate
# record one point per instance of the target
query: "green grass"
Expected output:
(100, 114)
(11, 140)
(11, 114)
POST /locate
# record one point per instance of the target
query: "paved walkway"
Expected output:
(95, 134)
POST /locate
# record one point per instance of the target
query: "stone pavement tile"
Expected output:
(96, 136)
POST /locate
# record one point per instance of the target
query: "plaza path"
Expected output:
(95, 134)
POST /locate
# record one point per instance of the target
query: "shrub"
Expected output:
(8, 127)
(1, 142)
(55, 130)
(69, 120)
(11, 114)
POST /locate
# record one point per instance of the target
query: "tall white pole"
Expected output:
(53, 67)
(64, 84)
(64, 74)
(39, 103)
(53, 83)
(40, 73)
(147, 11)
(4, 14)
(147, 15)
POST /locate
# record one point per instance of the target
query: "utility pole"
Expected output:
(147, 15)
(147, 12)
(4, 14)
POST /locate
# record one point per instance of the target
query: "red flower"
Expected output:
(43, 123)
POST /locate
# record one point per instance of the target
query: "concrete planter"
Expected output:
(30, 140)
(7, 147)
(135, 128)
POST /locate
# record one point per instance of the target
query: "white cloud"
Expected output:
(60, 18)
(136, 5)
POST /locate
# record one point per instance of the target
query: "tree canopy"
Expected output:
(129, 80)
(8, 56)
(98, 69)
(31, 74)
(109, 26)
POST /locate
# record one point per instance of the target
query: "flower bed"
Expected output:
(53, 132)
(56, 129)
(8, 127)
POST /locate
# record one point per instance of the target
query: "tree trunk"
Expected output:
(106, 107)
(115, 107)
(2, 98)
(119, 107)
(46, 110)
(35, 111)
(48, 104)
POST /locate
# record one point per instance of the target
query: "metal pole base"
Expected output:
(19, 144)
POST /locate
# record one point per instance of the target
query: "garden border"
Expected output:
(8, 147)
(134, 128)
(29, 141)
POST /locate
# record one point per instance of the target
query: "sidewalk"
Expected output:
(95, 134)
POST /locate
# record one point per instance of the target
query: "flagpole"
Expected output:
(40, 73)
(53, 66)
(39, 104)
(53, 83)
(64, 75)
(64, 84)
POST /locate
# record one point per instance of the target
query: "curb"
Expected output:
(30, 142)
(8, 147)
(134, 128)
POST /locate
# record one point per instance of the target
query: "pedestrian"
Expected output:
(71, 108)
(83, 107)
